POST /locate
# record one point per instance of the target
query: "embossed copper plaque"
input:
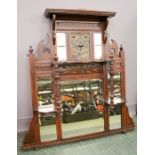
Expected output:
(80, 46)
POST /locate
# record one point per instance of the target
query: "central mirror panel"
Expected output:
(46, 110)
(82, 105)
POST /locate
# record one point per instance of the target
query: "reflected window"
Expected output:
(97, 46)
(61, 46)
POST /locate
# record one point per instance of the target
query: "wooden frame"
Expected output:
(113, 61)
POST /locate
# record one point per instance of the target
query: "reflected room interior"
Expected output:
(81, 105)
(46, 110)
(115, 109)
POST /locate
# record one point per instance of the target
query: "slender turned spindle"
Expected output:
(111, 73)
(56, 79)
(57, 85)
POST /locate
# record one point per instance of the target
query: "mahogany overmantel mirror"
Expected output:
(77, 82)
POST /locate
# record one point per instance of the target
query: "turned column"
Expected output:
(55, 81)
(111, 73)
(105, 97)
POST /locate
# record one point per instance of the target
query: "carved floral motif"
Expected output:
(80, 46)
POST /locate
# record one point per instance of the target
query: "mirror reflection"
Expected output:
(97, 46)
(46, 109)
(82, 103)
(115, 110)
(61, 46)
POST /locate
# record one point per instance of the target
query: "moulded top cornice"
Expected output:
(65, 14)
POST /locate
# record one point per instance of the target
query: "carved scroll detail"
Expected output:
(104, 35)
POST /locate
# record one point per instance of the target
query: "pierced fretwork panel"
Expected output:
(80, 46)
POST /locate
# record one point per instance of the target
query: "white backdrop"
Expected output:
(33, 27)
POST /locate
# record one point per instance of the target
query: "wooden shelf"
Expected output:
(85, 15)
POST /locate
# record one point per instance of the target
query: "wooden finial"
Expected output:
(55, 57)
(121, 48)
(31, 49)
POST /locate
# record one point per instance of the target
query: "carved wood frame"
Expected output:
(112, 62)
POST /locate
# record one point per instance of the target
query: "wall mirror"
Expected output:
(82, 103)
(46, 109)
(71, 108)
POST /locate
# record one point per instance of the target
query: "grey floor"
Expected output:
(120, 144)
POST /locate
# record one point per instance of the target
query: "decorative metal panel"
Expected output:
(80, 46)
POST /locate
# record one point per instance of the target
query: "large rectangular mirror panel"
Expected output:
(82, 103)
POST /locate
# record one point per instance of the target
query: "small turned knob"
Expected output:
(121, 48)
(30, 49)
(55, 57)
